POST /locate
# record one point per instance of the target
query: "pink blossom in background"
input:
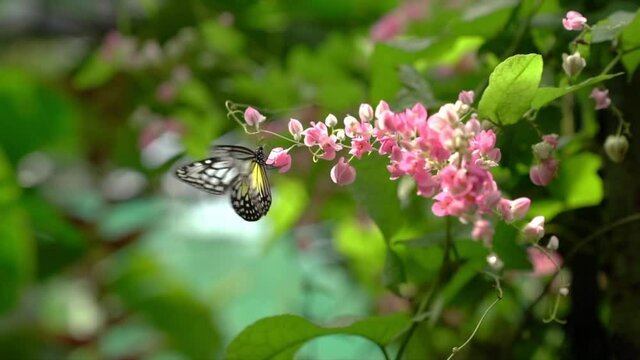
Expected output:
(253, 116)
(166, 92)
(482, 230)
(342, 173)
(542, 265)
(601, 97)
(574, 21)
(388, 27)
(155, 129)
(279, 158)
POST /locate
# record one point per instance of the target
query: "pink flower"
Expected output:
(482, 230)
(166, 92)
(253, 116)
(574, 21)
(551, 139)
(317, 134)
(295, 128)
(466, 97)
(360, 146)
(542, 265)
(543, 173)
(534, 230)
(512, 210)
(342, 173)
(279, 158)
(601, 97)
(381, 108)
(388, 27)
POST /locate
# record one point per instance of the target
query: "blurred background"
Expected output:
(105, 255)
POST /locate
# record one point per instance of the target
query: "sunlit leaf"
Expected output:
(280, 336)
(512, 87)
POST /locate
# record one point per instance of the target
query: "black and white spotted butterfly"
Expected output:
(237, 169)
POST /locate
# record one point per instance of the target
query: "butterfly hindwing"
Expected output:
(237, 169)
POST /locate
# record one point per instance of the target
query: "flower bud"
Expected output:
(279, 158)
(340, 134)
(494, 261)
(253, 116)
(482, 230)
(573, 64)
(554, 243)
(574, 21)
(564, 291)
(295, 128)
(534, 230)
(331, 120)
(366, 112)
(381, 108)
(466, 97)
(543, 173)
(342, 173)
(601, 97)
(616, 147)
(542, 150)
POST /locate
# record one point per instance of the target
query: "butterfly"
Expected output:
(237, 169)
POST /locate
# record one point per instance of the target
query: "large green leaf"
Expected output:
(512, 87)
(609, 28)
(279, 337)
(578, 182)
(16, 247)
(545, 95)
(631, 40)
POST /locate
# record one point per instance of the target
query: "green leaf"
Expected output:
(512, 86)
(33, 116)
(143, 285)
(512, 254)
(17, 246)
(609, 28)
(378, 194)
(280, 336)
(362, 244)
(631, 40)
(484, 18)
(545, 95)
(578, 182)
(415, 88)
(94, 73)
(393, 272)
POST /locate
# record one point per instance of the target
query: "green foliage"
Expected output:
(546, 95)
(17, 250)
(512, 87)
(279, 337)
(631, 40)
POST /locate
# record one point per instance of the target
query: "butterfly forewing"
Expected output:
(235, 168)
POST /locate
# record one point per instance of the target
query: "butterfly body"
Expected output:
(238, 170)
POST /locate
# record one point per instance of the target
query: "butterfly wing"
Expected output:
(216, 174)
(237, 168)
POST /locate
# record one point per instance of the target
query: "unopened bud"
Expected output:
(331, 120)
(366, 112)
(616, 147)
(554, 243)
(564, 291)
(573, 64)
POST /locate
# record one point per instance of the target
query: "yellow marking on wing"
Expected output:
(256, 177)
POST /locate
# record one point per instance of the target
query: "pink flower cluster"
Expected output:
(448, 158)
(447, 154)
